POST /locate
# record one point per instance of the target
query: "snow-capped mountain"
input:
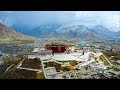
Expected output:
(78, 31)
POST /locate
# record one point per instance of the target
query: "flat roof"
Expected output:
(66, 57)
(35, 50)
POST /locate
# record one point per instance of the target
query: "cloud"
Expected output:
(110, 19)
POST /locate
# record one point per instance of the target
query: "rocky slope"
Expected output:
(7, 33)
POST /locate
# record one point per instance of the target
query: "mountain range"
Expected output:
(75, 31)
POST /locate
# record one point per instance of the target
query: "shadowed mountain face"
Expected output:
(10, 34)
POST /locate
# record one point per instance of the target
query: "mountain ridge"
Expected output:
(69, 31)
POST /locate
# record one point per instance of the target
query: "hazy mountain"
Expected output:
(117, 35)
(103, 31)
(7, 33)
(45, 30)
(24, 29)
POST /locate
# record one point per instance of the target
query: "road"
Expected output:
(30, 69)
(9, 68)
(43, 69)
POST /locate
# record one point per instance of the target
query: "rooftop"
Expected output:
(35, 50)
(66, 57)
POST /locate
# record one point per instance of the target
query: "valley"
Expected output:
(59, 45)
(22, 61)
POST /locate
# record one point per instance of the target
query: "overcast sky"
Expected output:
(110, 19)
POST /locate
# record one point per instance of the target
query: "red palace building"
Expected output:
(58, 47)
